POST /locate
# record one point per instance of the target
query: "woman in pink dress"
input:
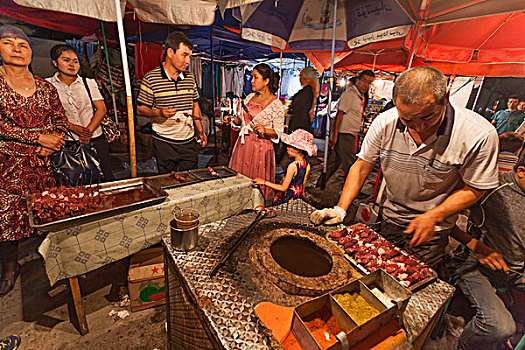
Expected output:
(261, 122)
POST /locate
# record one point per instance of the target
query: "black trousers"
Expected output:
(8, 251)
(344, 155)
(173, 156)
(102, 147)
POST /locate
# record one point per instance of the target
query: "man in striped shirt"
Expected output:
(510, 145)
(168, 95)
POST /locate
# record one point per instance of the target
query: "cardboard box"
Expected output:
(146, 279)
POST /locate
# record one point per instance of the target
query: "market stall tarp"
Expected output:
(492, 39)
(194, 12)
(55, 20)
(181, 12)
(440, 11)
(76, 24)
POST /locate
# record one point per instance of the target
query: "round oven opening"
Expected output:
(301, 257)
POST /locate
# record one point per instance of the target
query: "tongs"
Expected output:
(263, 213)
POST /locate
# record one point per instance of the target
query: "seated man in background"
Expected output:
(496, 260)
(509, 119)
(510, 145)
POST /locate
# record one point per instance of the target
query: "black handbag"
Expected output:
(76, 164)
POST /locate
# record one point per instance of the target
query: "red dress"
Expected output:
(22, 171)
(254, 156)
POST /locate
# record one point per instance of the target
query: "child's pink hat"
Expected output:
(302, 140)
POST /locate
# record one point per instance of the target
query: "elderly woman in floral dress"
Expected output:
(32, 123)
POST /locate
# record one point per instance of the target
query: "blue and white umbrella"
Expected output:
(308, 24)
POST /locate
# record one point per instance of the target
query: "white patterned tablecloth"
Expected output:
(87, 247)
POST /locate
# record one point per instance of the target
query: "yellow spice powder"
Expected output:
(357, 307)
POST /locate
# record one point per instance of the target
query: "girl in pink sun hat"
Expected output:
(300, 144)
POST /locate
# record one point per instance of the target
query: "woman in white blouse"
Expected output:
(84, 121)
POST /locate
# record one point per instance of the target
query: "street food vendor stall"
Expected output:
(217, 312)
(81, 243)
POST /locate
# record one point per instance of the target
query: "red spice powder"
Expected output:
(323, 327)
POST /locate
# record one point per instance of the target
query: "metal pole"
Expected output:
(329, 108)
(280, 75)
(109, 72)
(129, 104)
(478, 93)
(213, 97)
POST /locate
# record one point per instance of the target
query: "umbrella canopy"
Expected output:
(391, 56)
(308, 24)
(490, 46)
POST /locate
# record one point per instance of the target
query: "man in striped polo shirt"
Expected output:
(437, 160)
(168, 95)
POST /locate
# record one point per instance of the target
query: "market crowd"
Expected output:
(437, 160)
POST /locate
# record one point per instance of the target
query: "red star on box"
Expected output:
(155, 270)
(162, 268)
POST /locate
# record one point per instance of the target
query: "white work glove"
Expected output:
(335, 216)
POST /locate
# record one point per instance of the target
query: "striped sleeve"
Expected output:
(146, 96)
(195, 92)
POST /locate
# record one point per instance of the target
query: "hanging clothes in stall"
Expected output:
(228, 78)
(234, 78)
(147, 57)
(221, 92)
(196, 69)
(290, 82)
(238, 80)
(206, 79)
(247, 88)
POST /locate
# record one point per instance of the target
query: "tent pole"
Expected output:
(317, 97)
(125, 68)
(109, 72)
(413, 48)
(280, 75)
(478, 93)
(213, 97)
(329, 108)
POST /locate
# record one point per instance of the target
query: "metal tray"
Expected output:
(364, 270)
(166, 181)
(117, 197)
(204, 174)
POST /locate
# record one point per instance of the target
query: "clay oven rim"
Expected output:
(339, 273)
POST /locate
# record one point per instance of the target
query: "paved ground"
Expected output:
(43, 321)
